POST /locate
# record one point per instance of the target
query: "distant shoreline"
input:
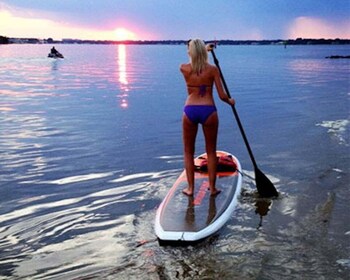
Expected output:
(298, 41)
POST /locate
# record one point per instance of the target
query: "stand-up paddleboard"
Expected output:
(182, 219)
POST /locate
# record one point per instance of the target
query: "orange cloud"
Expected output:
(25, 27)
(13, 26)
(308, 27)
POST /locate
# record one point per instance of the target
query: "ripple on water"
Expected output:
(79, 234)
(338, 129)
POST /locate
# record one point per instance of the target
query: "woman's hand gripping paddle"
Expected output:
(263, 184)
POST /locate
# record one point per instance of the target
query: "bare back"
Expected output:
(200, 86)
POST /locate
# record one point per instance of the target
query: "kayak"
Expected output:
(190, 219)
(55, 55)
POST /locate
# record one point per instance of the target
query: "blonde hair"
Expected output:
(198, 54)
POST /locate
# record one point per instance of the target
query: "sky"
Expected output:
(175, 19)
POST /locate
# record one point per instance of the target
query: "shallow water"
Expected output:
(90, 145)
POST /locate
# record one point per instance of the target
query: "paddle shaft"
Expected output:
(235, 112)
(263, 184)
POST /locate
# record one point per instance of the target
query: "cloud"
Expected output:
(15, 26)
(35, 27)
(157, 19)
(310, 27)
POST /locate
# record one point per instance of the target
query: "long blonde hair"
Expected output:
(198, 54)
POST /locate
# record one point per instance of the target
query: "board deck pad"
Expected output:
(180, 216)
(193, 213)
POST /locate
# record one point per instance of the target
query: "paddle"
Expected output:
(263, 184)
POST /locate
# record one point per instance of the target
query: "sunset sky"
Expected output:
(175, 19)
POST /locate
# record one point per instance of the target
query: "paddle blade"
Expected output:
(264, 185)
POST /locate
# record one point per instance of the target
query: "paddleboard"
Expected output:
(182, 218)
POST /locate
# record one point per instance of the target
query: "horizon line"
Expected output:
(171, 40)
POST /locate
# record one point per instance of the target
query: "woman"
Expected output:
(200, 109)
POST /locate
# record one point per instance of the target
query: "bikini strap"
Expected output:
(200, 86)
(202, 89)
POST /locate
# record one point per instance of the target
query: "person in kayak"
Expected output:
(200, 76)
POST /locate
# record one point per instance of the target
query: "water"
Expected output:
(90, 145)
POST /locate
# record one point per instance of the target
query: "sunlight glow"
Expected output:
(17, 26)
(308, 27)
(41, 28)
(122, 76)
(122, 34)
(122, 64)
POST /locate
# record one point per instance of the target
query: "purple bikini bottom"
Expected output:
(199, 113)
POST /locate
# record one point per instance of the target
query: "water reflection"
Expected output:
(262, 208)
(122, 76)
(314, 71)
(54, 65)
(306, 71)
(89, 224)
(24, 158)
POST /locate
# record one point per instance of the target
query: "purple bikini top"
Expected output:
(202, 89)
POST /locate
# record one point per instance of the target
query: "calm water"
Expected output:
(90, 145)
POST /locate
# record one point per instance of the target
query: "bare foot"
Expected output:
(187, 192)
(215, 192)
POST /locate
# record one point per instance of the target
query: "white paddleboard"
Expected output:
(182, 218)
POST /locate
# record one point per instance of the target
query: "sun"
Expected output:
(122, 34)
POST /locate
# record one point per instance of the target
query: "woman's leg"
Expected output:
(189, 138)
(210, 130)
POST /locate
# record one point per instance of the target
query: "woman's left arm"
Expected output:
(218, 84)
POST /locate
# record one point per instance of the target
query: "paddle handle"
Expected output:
(216, 61)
